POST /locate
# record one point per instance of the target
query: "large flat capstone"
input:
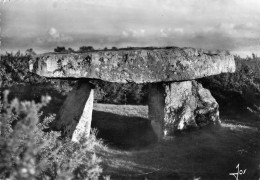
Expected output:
(139, 65)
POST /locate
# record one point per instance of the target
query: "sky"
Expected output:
(232, 25)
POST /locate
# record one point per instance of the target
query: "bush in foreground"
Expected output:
(27, 152)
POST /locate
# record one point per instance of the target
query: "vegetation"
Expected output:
(240, 90)
(27, 152)
(115, 93)
(15, 69)
(62, 49)
(59, 49)
(85, 49)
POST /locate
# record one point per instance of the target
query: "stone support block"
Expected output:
(180, 105)
(75, 116)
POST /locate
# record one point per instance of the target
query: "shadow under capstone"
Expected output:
(124, 132)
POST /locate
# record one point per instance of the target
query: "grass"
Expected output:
(208, 153)
(124, 126)
(124, 110)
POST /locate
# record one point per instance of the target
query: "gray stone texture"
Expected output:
(181, 105)
(139, 65)
(156, 104)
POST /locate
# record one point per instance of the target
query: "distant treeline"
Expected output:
(82, 49)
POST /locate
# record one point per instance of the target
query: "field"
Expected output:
(208, 153)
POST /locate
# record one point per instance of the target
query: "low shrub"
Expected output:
(118, 93)
(15, 70)
(27, 152)
(237, 90)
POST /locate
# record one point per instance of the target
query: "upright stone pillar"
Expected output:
(75, 116)
(156, 103)
(84, 125)
(181, 105)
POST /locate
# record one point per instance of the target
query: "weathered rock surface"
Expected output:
(75, 115)
(156, 104)
(139, 66)
(181, 105)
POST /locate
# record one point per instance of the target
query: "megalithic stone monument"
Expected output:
(176, 100)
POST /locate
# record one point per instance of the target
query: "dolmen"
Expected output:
(176, 101)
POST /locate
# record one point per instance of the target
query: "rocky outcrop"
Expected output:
(181, 105)
(139, 65)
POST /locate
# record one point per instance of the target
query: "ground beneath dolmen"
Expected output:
(131, 151)
(207, 153)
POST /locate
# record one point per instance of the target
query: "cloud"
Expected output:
(166, 32)
(133, 33)
(55, 35)
(4, 1)
(233, 30)
(39, 40)
(179, 30)
(163, 33)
